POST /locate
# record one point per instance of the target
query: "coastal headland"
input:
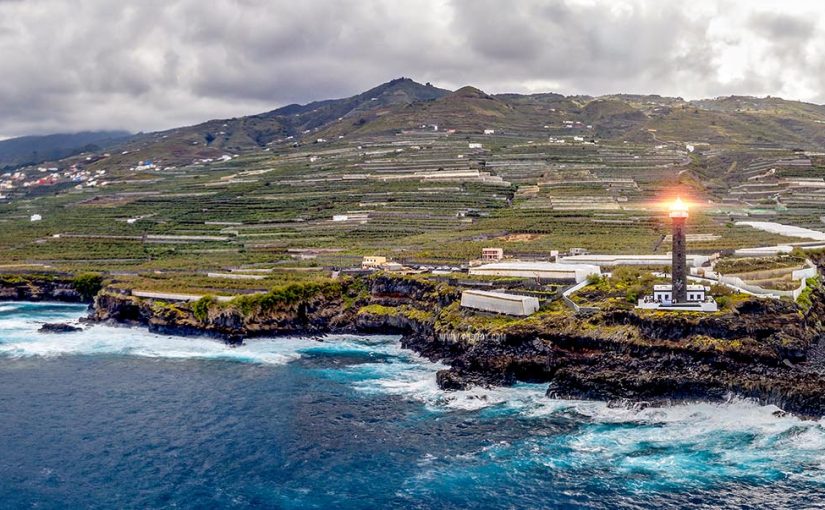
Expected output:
(767, 350)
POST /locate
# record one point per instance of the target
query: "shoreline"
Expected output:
(615, 356)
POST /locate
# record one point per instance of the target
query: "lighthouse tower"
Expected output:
(678, 217)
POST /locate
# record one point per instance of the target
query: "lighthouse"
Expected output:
(678, 217)
(679, 296)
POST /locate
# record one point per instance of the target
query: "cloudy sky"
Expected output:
(68, 65)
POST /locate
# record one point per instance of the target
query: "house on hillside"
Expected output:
(492, 254)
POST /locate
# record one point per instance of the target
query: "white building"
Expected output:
(763, 251)
(373, 261)
(632, 260)
(499, 302)
(538, 270)
(36, 217)
(662, 293)
(489, 131)
(697, 299)
(474, 145)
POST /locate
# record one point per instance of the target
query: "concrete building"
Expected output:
(492, 254)
(373, 261)
(499, 302)
(694, 293)
(538, 270)
(392, 266)
(696, 299)
(632, 260)
(764, 251)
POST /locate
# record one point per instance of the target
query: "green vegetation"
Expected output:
(394, 311)
(751, 264)
(804, 300)
(287, 296)
(200, 309)
(88, 284)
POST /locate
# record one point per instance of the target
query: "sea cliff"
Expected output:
(763, 349)
(768, 350)
(49, 287)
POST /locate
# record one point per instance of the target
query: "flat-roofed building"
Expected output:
(373, 261)
(538, 270)
(698, 299)
(492, 254)
(499, 302)
(632, 260)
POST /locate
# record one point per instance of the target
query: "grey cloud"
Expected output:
(782, 26)
(154, 64)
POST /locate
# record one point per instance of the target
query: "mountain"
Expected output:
(32, 150)
(404, 105)
(219, 136)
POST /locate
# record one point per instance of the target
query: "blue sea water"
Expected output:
(122, 418)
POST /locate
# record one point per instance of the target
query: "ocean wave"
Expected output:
(103, 340)
(675, 449)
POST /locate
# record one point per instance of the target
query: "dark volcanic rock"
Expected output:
(58, 327)
(35, 288)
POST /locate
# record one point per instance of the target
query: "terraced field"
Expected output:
(552, 173)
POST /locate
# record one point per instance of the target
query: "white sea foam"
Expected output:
(122, 341)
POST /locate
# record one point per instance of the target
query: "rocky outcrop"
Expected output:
(58, 327)
(39, 288)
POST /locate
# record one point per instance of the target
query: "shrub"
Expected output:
(804, 300)
(717, 290)
(88, 285)
(634, 292)
(201, 307)
(594, 279)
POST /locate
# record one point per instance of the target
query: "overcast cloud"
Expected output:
(155, 64)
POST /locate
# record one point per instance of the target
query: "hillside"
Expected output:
(318, 186)
(402, 105)
(32, 150)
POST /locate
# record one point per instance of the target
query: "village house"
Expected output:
(492, 254)
(373, 262)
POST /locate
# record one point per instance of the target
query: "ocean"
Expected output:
(122, 418)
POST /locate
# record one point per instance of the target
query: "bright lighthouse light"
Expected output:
(678, 209)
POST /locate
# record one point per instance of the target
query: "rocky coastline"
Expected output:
(765, 350)
(43, 288)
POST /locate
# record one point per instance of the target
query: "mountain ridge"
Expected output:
(403, 104)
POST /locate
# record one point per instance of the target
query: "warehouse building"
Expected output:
(538, 270)
(499, 302)
(633, 260)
